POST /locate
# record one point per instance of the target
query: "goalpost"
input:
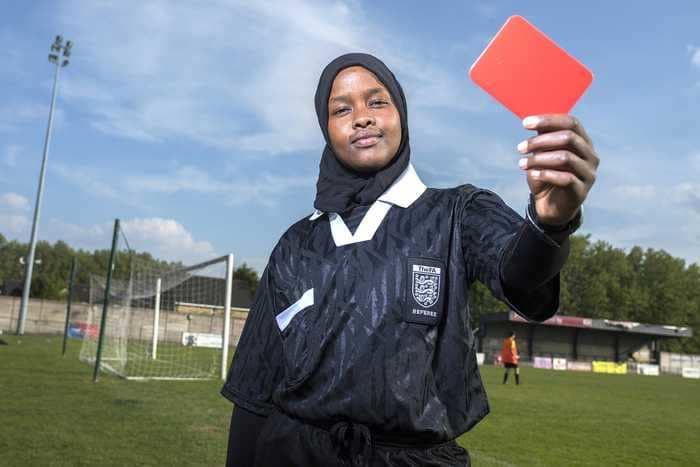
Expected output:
(206, 306)
(159, 321)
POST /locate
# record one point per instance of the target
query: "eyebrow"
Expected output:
(345, 98)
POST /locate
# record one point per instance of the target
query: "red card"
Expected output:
(528, 72)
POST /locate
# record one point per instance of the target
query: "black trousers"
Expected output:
(288, 442)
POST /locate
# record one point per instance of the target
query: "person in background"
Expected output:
(510, 357)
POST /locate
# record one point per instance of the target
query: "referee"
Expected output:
(357, 349)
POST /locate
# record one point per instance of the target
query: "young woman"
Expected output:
(358, 348)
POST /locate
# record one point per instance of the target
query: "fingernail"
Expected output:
(523, 162)
(535, 173)
(531, 122)
(522, 147)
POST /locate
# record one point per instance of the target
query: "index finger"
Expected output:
(556, 122)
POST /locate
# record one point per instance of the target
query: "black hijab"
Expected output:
(340, 188)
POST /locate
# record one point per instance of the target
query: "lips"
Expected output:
(365, 138)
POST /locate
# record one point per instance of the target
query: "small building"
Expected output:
(575, 338)
(12, 287)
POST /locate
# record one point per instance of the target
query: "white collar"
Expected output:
(403, 192)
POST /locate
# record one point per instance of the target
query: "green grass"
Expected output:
(51, 414)
(173, 359)
(575, 419)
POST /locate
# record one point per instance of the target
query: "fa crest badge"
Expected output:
(425, 288)
(426, 284)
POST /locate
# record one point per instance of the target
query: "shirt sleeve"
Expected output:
(518, 263)
(257, 367)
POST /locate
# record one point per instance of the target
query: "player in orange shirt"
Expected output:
(510, 357)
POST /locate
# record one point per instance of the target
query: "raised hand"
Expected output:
(561, 166)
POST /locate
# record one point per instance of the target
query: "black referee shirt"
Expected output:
(372, 326)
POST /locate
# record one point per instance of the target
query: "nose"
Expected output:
(363, 120)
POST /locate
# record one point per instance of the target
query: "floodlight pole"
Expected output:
(58, 56)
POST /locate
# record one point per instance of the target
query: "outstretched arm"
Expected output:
(520, 261)
(516, 261)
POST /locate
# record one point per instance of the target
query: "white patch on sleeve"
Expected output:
(284, 318)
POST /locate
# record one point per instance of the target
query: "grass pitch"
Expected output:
(51, 414)
(587, 419)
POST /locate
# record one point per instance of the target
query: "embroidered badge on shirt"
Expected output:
(425, 277)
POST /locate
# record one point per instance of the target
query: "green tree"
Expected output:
(247, 274)
(598, 281)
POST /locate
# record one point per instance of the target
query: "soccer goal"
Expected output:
(162, 322)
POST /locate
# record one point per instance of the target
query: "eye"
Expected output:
(378, 102)
(340, 110)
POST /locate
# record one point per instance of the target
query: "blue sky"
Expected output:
(193, 121)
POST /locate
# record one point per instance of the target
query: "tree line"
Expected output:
(598, 281)
(50, 277)
(603, 282)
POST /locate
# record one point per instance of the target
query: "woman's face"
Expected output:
(363, 123)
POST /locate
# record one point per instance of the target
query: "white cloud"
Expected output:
(158, 70)
(180, 72)
(166, 238)
(487, 10)
(13, 58)
(81, 88)
(96, 236)
(636, 192)
(16, 225)
(682, 240)
(659, 216)
(14, 202)
(694, 55)
(695, 161)
(687, 194)
(10, 155)
(14, 222)
(642, 233)
(263, 189)
(14, 115)
(95, 182)
(132, 190)
(644, 197)
(185, 178)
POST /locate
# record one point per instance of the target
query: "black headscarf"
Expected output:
(340, 188)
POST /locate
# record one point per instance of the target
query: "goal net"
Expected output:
(162, 322)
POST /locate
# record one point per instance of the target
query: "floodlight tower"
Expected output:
(59, 56)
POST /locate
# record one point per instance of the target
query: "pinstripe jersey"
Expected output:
(372, 326)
